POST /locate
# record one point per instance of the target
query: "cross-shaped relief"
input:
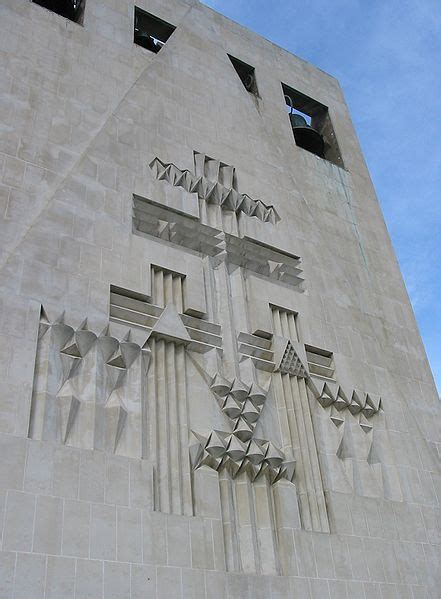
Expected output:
(203, 373)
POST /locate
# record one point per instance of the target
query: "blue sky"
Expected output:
(386, 55)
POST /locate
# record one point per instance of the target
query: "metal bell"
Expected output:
(70, 9)
(306, 136)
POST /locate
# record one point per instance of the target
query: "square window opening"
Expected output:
(311, 126)
(69, 9)
(247, 75)
(150, 32)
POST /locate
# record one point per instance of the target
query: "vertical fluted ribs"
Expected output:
(314, 461)
(168, 398)
(181, 385)
(229, 523)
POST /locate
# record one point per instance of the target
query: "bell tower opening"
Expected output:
(151, 32)
(69, 9)
(311, 126)
(246, 74)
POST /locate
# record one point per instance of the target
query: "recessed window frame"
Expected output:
(320, 120)
(51, 6)
(245, 72)
(155, 32)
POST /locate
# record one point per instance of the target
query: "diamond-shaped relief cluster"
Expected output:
(221, 449)
(291, 363)
(213, 192)
(238, 450)
(361, 404)
(241, 403)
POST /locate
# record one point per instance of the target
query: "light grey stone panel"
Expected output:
(300, 588)
(3, 495)
(216, 585)
(279, 587)
(337, 589)
(143, 582)
(116, 580)
(323, 556)
(168, 583)
(372, 590)
(178, 541)
(305, 553)
(355, 590)
(201, 540)
(154, 538)
(388, 591)
(238, 586)
(117, 480)
(89, 579)
(60, 578)
(66, 472)
(103, 532)
(92, 472)
(218, 544)
(39, 467)
(129, 535)
(13, 452)
(48, 525)
(341, 558)
(357, 557)
(319, 589)
(374, 560)
(403, 592)
(30, 573)
(288, 559)
(19, 521)
(261, 587)
(141, 488)
(76, 528)
(193, 584)
(7, 569)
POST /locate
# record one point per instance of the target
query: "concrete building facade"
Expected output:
(213, 385)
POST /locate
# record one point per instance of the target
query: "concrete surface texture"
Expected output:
(212, 383)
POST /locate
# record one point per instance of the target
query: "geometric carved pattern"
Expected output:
(81, 377)
(201, 335)
(258, 349)
(290, 362)
(213, 192)
(180, 229)
(331, 395)
(238, 450)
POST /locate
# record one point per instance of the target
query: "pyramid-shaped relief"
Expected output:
(238, 450)
(361, 405)
(87, 387)
(214, 191)
(290, 362)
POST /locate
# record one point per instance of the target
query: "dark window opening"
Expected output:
(246, 74)
(311, 125)
(69, 9)
(150, 32)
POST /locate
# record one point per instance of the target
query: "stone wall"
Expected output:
(212, 382)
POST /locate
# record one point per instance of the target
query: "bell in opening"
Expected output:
(306, 136)
(70, 9)
(147, 41)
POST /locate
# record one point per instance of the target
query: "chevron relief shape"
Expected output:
(213, 192)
